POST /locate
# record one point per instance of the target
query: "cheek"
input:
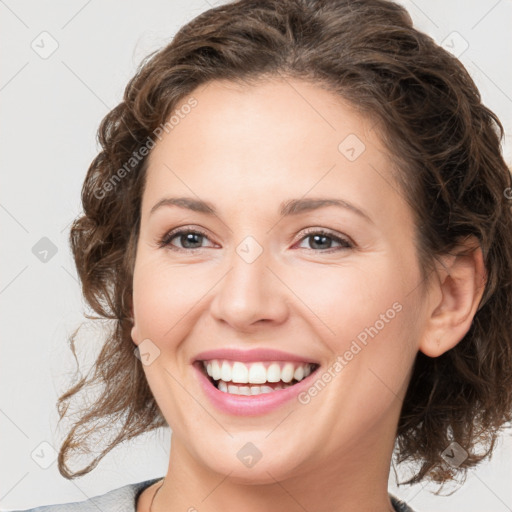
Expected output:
(378, 340)
(362, 311)
(343, 299)
(164, 297)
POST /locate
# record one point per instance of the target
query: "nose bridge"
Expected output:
(249, 291)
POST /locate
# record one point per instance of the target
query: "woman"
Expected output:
(299, 221)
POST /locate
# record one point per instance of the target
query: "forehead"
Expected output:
(273, 117)
(265, 143)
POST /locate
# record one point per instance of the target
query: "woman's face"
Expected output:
(257, 277)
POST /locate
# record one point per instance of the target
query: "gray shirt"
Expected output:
(124, 499)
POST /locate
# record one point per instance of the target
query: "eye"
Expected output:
(189, 239)
(320, 238)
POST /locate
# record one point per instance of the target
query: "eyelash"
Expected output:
(165, 241)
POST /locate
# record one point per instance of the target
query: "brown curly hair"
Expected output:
(447, 147)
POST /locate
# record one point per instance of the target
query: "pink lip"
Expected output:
(247, 356)
(242, 405)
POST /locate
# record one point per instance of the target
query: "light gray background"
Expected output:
(51, 108)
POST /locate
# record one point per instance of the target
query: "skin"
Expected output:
(247, 149)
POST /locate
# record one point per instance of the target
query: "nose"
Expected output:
(250, 294)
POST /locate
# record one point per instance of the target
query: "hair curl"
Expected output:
(447, 147)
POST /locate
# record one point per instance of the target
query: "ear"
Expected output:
(135, 334)
(456, 290)
(134, 331)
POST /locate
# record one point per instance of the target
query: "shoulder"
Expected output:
(400, 506)
(122, 499)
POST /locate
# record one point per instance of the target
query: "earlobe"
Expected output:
(460, 283)
(134, 334)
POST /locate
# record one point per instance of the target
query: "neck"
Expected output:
(356, 478)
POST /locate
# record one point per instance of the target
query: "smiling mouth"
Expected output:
(238, 378)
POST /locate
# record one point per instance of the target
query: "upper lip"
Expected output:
(252, 355)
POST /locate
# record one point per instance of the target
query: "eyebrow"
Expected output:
(287, 208)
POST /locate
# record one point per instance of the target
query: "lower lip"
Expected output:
(253, 405)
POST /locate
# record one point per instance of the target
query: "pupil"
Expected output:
(321, 237)
(189, 237)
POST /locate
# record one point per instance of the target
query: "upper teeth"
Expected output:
(256, 373)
